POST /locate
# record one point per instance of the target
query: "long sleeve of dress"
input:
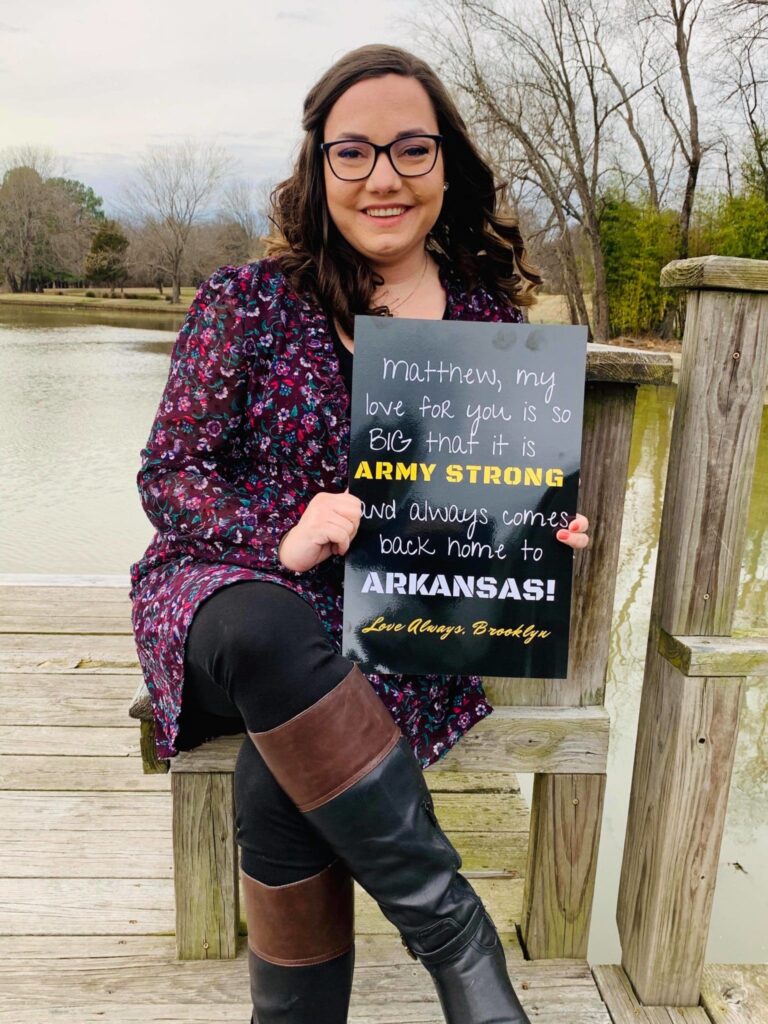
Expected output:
(184, 483)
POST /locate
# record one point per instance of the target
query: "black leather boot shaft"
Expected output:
(314, 994)
(469, 970)
(385, 829)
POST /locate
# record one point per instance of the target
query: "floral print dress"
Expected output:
(252, 423)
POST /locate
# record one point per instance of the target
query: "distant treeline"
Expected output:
(183, 216)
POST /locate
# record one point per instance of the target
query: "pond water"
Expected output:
(80, 393)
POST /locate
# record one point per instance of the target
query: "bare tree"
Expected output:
(144, 259)
(631, 81)
(674, 22)
(44, 231)
(42, 159)
(213, 244)
(22, 215)
(23, 227)
(242, 206)
(742, 55)
(514, 154)
(541, 73)
(72, 229)
(172, 193)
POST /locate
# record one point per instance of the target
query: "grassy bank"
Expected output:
(147, 300)
(550, 309)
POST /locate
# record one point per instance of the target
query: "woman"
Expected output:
(389, 210)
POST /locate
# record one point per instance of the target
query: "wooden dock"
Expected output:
(86, 869)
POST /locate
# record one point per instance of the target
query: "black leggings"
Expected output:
(256, 655)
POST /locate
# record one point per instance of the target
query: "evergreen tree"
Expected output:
(105, 263)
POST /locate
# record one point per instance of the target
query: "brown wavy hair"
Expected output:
(483, 246)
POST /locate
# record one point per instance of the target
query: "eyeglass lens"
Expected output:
(411, 156)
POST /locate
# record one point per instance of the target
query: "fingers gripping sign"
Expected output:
(327, 527)
(576, 535)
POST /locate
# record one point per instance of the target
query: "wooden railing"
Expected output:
(694, 670)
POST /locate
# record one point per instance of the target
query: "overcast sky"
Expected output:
(100, 81)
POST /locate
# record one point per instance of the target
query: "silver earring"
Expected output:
(445, 187)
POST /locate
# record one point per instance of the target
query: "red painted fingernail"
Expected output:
(562, 534)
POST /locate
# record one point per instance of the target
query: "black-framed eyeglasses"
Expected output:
(411, 156)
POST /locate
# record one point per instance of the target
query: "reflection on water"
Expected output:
(26, 317)
(79, 398)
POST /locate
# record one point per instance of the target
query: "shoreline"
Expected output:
(164, 308)
(102, 305)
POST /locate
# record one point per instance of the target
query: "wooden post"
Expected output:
(688, 725)
(205, 865)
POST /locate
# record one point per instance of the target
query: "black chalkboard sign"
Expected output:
(465, 449)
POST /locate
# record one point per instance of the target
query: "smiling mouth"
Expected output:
(384, 212)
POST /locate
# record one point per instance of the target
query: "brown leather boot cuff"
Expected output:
(306, 922)
(321, 752)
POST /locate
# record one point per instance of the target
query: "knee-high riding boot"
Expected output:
(349, 769)
(301, 950)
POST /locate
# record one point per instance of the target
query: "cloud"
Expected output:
(103, 154)
(307, 15)
(116, 90)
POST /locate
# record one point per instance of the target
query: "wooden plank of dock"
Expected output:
(730, 994)
(86, 873)
(616, 989)
(736, 993)
(136, 979)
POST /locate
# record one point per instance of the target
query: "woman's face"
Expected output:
(378, 110)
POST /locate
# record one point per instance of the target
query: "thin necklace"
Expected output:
(418, 283)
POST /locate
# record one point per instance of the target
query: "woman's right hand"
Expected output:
(327, 527)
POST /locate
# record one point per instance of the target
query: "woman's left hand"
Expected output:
(576, 534)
